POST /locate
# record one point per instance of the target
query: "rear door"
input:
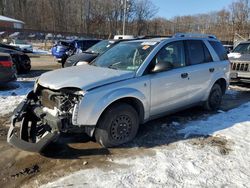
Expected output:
(200, 69)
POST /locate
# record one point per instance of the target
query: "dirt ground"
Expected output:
(74, 152)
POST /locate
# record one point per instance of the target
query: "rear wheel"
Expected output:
(215, 97)
(119, 124)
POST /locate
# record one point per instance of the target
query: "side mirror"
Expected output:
(162, 66)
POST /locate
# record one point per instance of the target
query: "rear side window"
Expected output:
(80, 44)
(219, 49)
(197, 52)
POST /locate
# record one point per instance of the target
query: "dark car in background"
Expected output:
(63, 48)
(3, 45)
(94, 51)
(21, 60)
(7, 69)
(91, 53)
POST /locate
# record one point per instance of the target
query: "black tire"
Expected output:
(215, 97)
(119, 124)
(64, 58)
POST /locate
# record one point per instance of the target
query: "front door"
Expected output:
(168, 87)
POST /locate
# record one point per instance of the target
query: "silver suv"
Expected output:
(240, 63)
(132, 83)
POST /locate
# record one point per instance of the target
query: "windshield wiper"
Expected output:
(112, 65)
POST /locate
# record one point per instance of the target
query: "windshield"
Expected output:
(242, 48)
(101, 47)
(125, 56)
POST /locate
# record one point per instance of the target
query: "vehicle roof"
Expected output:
(148, 40)
(160, 39)
(244, 42)
(76, 40)
(4, 54)
(10, 50)
(3, 45)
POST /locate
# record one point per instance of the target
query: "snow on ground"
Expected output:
(13, 94)
(192, 161)
(239, 88)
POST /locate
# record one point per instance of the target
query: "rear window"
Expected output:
(101, 46)
(64, 43)
(219, 49)
(198, 52)
(86, 44)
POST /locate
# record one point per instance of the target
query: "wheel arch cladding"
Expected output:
(132, 101)
(223, 84)
(126, 95)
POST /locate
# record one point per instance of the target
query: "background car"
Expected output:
(240, 63)
(7, 69)
(63, 48)
(25, 47)
(91, 53)
(96, 50)
(3, 45)
(21, 60)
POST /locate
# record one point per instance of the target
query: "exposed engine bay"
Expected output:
(40, 118)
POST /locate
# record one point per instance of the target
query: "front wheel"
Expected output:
(119, 124)
(215, 97)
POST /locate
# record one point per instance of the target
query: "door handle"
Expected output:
(184, 75)
(211, 70)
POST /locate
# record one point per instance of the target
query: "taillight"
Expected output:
(7, 63)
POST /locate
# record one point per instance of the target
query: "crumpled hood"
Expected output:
(84, 77)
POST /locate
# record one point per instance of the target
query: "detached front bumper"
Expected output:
(31, 135)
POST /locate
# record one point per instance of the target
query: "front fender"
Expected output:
(88, 114)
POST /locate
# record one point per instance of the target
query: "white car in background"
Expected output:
(25, 47)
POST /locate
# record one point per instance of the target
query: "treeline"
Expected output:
(227, 24)
(81, 16)
(105, 17)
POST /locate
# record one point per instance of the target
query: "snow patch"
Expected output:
(10, 98)
(187, 165)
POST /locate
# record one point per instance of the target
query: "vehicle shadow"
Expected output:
(155, 133)
(62, 149)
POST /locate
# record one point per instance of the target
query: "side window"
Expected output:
(208, 57)
(81, 44)
(197, 52)
(172, 55)
(219, 49)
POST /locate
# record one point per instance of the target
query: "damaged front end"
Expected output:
(39, 119)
